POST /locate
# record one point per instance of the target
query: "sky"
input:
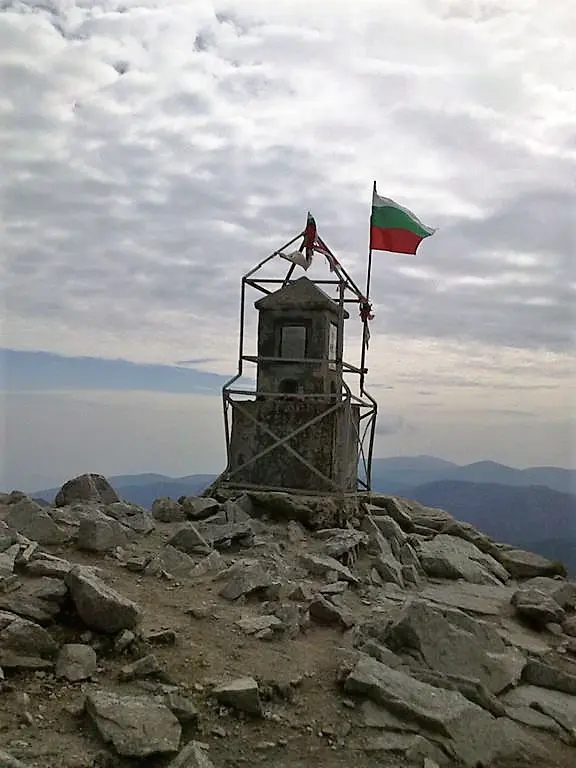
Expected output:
(156, 150)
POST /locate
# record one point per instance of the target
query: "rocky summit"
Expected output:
(263, 629)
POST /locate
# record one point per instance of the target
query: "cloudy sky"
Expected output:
(154, 150)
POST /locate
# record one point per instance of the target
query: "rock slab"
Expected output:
(99, 606)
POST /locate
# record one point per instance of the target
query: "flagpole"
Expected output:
(367, 297)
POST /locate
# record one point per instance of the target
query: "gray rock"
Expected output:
(560, 590)
(321, 565)
(193, 755)
(449, 557)
(471, 688)
(76, 662)
(242, 694)
(411, 575)
(7, 536)
(533, 719)
(561, 707)
(197, 507)
(166, 510)
(314, 512)
(132, 516)
(24, 637)
(237, 511)
(389, 528)
(212, 563)
(89, 487)
(547, 676)
(146, 666)
(73, 514)
(451, 642)
(476, 737)
(394, 507)
(223, 535)
(253, 624)
(137, 726)
(101, 535)
(170, 560)
(374, 716)
(51, 567)
(537, 606)
(389, 569)
(99, 606)
(9, 761)
(189, 539)
(30, 519)
(569, 626)
(408, 556)
(324, 611)
(8, 560)
(29, 607)
(526, 565)
(483, 599)
(343, 544)
(182, 706)
(244, 577)
(411, 746)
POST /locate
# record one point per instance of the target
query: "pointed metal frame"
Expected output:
(348, 292)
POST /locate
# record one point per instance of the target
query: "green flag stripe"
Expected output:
(388, 217)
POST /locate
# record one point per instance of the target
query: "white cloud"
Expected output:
(154, 151)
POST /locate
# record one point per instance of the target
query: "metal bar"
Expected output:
(286, 396)
(280, 489)
(254, 284)
(348, 367)
(272, 255)
(281, 280)
(283, 442)
(289, 275)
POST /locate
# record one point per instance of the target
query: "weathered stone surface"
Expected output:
(537, 606)
(389, 528)
(182, 706)
(561, 707)
(483, 599)
(569, 626)
(343, 544)
(132, 516)
(394, 507)
(29, 607)
(236, 511)
(253, 624)
(146, 666)
(313, 512)
(533, 719)
(189, 539)
(9, 761)
(526, 565)
(560, 590)
(193, 755)
(242, 694)
(101, 535)
(244, 577)
(448, 557)
(389, 569)
(167, 510)
(198, 507)
(24, 637)
(7, 536)
(137, 726)
(99, 606)
(30, 519)
(324, 611)
(471, 688)
(8, 560)
(89, 487)
(375, 716)
(51, 567)
(411, 746)
(321, 565)
(547, 676)
(222, 535)
(451, 642)
(212, 563)
(171, 560)
(76, 662)
(445, 712)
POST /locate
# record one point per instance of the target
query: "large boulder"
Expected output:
(89, 487)
(20, 636)
(453, 643)
(475, 736)
(449, 557)
(526, 565)
(137, 726)
(33, 521)
(537, 606)
(99, 606)
(314, 512)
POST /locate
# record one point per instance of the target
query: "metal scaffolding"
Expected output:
(233, 398)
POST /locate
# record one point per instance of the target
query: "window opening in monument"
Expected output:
(293, 341)
(289, 386)
(332, 345)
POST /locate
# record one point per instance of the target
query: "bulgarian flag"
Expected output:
(394, 228)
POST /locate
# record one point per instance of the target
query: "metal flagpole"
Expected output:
(367, 297)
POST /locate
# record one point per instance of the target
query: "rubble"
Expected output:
(380, 633)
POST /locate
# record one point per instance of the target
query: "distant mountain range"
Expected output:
(534, 508)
